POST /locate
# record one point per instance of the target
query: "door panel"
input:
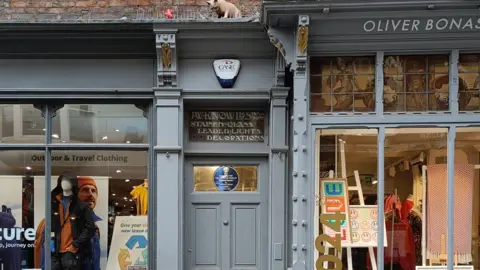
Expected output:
(206, 232)
(245, 231)
(226, 228)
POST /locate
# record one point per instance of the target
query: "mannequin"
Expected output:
(72, 225)
(140, 195)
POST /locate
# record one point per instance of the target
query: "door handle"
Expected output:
(189, 250)
(225, 222)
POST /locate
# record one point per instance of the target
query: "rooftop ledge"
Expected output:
(134, 21)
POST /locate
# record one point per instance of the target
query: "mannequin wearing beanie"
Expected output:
(72, 225)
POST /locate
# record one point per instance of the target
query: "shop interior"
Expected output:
(415, 174)
(120, 177)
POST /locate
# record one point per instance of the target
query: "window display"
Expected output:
(415, 188)
(93, 197)
(346, 169)
(17, 235)
(114, 186)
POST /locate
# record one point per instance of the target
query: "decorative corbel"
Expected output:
(279, 70)
(302, 43)
(166, 58)
(282, 39)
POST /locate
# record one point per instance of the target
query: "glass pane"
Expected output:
(111, 187)
(412, 155)
(394, 96)
(469, 83)
(346, 158)
(350, 80)
(92, 123)
(22, 123)
(467, 196)
(225, 178)
(419, 83)
(21, 198)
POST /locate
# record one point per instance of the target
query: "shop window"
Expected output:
(92, 123)
(469, 83)
(342, 84)
(20, 197)
(467, 196)
(345, 158)
(415, 165)
(112, 190)
(416, 83)
(23, 123)
(225, 178)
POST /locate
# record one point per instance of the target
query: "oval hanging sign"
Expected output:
(225, 178)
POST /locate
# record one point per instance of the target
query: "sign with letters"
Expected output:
(412, 25)
(334, 199)
(226, 126)
(226, 71)
(225, 178)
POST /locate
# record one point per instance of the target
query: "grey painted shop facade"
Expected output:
(305, 30)
(130, 64)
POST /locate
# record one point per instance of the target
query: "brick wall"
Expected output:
(111, 10)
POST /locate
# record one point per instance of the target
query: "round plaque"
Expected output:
(225, 178)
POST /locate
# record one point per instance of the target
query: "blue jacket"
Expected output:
(92, 262)
(12, 256)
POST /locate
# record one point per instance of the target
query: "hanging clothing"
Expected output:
(403, 251)
(437, 210)
(140, 194)
(392, 201)
(415, 222)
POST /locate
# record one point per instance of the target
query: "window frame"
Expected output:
(49, 110)
(381, 121)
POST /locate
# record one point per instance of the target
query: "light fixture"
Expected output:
(127, 180)
(104, 138)
(44, 129)
(130, 200)
(125, 198)
(118, 171)
(28, 168)
(55, 136)
(124, 205)
(117, 130)
(113, 194)
(63, 141)
(128, 141)
(116, 203)
(374, 182)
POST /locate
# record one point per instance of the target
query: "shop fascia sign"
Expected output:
(442, 24)
(227, 71)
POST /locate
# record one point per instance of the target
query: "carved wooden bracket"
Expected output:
(292, 45)
(166, 58)
(283, 40)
